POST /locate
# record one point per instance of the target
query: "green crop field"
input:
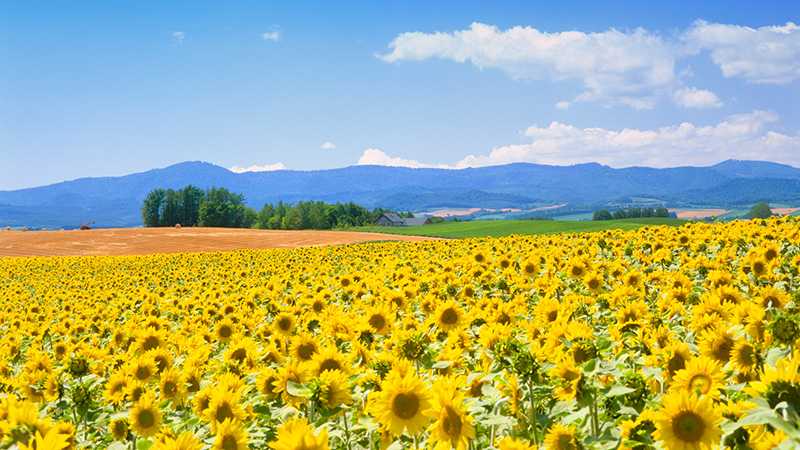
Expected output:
(496, 228)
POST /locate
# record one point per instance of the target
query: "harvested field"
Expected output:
(699, 213)
(139, 241)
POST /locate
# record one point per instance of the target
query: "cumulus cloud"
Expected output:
(327, 145)
(634, 68)
(696, 98)
(259, 168)
(740, 136)
(273, 36)
(613, 66)
(769, 54)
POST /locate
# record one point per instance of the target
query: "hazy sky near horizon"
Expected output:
(95, 88)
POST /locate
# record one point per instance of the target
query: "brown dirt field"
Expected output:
(139, 241)
(698, 213)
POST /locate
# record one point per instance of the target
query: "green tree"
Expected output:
(190, 199)
(151, 208)
(170, 209)
(222, 208)
(602, 214)
(760, 210)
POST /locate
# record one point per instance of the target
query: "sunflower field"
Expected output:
(668, 338)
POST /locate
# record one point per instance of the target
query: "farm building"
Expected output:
(390, 219)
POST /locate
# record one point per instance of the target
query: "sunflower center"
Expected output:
(284, 323)
(701, 383)
(170, 388)
(239, 354)
(688, 426)
(224, 411)
(377, 321)
(329, 364)
(565, 442)
(225, 331)
(150, 342)
(146, 418)
(229, 442)
(306, 351)
(722, 349)
(405, 405)
(143, 373)
(449, 316)
(451, 423)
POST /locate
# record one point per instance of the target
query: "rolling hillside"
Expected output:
(115, 201)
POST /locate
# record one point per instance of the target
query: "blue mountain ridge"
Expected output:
(116, 201)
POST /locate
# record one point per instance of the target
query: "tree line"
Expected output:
(192, 206)
(219, 207)
(630, 213)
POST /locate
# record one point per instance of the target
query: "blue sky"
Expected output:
(97, 88)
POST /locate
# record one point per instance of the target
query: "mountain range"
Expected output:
(116, 201)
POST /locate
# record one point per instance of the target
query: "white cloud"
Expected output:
(635, 68)
(259, 168)
(741, 136)
(327, 145)
(696, 98)
(613, 66)
(178, 36)
(562, 105)
(769, 54)
(377, 157)
(273, 36)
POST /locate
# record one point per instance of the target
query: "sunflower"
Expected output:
(119, 429)
(452, 427)
(401, 404)
(304, 347)
(569, 378)
(145, 416)
(292, 371)
(330, 358)
(702, 376)
(378, 318)
(265, 382)
(509, 443)
(172, 386)
(297, 434)
(143, 368)
(334, 389)
(52, 440)
(561, 437)
(717, 343)
(686, 422)
(448, 316)
(745, 358)
(284, 324)
(230, 436)
(224, 404)
(779, 383)
(184, 441)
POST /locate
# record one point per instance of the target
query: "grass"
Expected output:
(495, 228)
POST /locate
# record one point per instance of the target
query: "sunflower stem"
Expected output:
(534, 427)
(346, 431)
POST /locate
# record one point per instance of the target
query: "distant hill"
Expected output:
(115, 201)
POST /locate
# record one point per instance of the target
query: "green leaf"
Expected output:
(577, 415)
(298, 390)
(618, 390)
(143, 444)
